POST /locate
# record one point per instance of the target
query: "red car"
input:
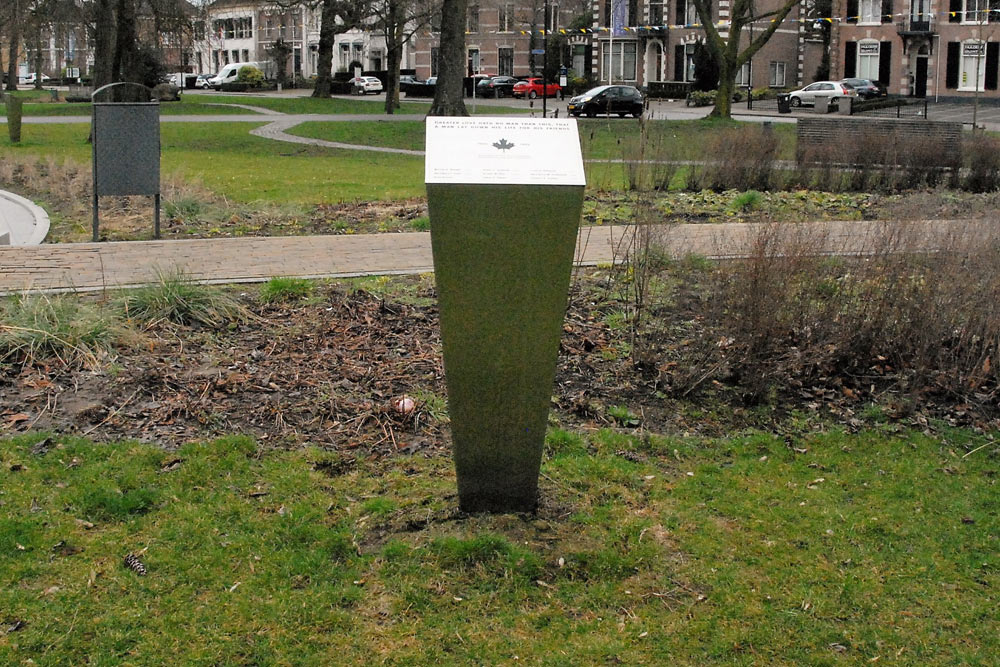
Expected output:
(533, 87)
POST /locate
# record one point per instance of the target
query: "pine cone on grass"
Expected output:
(133, 563)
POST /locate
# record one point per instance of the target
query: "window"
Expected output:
(870, 11)
(619, 60)
(376, 59)
(345, 56)
(246, 56)
(975, 11)
(434, 60)
(236, 56)
(505, 17)
(776, 75)
(656, 12)
(238, 28)
(743, 75)
(973, 72)
(868, 55)
(690, 12)
(552, 18)
(505, 61)
(689, 62)
(472, 20)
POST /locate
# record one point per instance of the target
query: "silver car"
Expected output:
(830, 89)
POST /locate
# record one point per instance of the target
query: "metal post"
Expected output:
(95, 224)
(156, 216)
(545, 60)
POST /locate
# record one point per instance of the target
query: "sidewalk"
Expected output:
(99, 266)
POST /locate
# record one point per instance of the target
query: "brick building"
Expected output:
(920, 48)
(639, 41)
(500, 37)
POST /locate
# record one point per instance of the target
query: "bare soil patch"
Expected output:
(329, 373)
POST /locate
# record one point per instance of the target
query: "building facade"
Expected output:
(247, 31)
(639, 41)
(502, 36)
(920, 48)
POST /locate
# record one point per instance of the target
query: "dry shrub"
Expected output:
(983, 158)
(892, 315)
(741, 158)
(869, 160)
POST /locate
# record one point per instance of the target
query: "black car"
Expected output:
(867, 89)
(621, 100)
(498, 86)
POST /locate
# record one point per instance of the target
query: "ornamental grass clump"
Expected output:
(174, 298)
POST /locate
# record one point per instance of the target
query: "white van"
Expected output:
(229, 73)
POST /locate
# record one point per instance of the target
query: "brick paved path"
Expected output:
(96, 266)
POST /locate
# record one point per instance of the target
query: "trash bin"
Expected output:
(784, 106)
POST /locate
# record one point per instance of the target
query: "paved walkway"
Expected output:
(98, 266)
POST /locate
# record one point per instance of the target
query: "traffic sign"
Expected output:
(537, 52)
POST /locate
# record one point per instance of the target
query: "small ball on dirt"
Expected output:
(404, 405)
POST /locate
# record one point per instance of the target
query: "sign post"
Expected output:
(504, 197)
(126, 151)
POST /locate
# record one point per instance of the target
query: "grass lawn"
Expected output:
(396, 134)
(339, 105)
(859, 548)
(186, 105)
(228, 160)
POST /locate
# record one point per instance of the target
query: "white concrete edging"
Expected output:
(25, 222)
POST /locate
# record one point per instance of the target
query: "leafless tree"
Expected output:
(399, 20)
(726, 50)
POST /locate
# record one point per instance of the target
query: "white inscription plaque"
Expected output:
(503, 151)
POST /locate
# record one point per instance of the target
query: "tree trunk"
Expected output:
(125, 61)
(324, 63)
(448, 98)
(104, 43)
(394, 48)
(12, 49)
(724, 95)
(38, 53)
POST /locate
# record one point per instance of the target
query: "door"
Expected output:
(920, 77)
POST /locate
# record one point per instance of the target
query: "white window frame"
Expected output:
(967, 68)
(867, 65)
(505, 17)
(975, 12)
(501, 69)
(690, 13)
(621, 49)
(869, 12)
(776, 74)
(743, 75)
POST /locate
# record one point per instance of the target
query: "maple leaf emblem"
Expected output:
(503, 145)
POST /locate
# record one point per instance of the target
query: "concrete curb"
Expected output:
(22, 220)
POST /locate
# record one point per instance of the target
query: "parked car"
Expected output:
(834, 90)
(432, 81)
(408, 80)
(202, 81)
(621, 100)
(867, 89)
(366, 84)
(30, 79)
(532, 87)
(497, 86)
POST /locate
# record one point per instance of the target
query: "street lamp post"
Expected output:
(545, 60)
